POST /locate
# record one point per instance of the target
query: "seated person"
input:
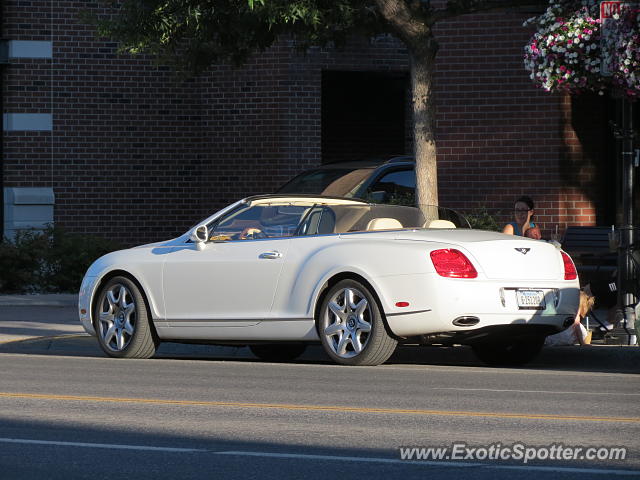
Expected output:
(238, 231)
(523, 215)
(251, 233)
(575, 333)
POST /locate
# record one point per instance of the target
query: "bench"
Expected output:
(597, 266)
(587, 241)
(589, 249)
(595, 262)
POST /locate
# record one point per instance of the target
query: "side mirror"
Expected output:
(199, 236)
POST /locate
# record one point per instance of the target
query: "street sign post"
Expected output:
(607, 12)
(610, 11)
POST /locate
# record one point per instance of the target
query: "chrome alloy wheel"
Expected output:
(348, 320)
(117, 317)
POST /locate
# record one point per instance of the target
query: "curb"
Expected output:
(610, 359)
(28, 339)
(40, 300)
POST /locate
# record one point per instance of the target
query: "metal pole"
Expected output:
(1, 152)
(3, 45)
(1, 148)
(626, 298)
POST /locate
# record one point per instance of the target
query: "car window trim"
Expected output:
(304, 219)
(387, 172)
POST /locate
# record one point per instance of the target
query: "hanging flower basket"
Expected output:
(566, 54)
(625, 59)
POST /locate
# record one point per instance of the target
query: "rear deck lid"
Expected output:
(533, 260)
(500, 256)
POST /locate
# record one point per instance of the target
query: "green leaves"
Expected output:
(51, 260)
(252, 3)
(192, 34)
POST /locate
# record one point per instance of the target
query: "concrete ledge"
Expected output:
(40, 300)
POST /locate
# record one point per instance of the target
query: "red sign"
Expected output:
(609, 9)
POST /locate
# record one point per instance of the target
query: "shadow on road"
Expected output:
(604, 358)
(43, 449)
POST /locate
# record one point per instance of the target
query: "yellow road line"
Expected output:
(326, 408)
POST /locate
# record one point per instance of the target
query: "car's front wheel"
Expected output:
(351, 327)
(122, 322)
(509, 353)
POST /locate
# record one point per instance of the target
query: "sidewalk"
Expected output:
(25, 317)
(40, 300)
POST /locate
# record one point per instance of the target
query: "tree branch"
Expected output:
(407, 19)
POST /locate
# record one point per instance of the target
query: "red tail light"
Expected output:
(452, 263)
(570, 272)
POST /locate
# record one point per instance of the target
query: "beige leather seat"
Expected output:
(441, 224)
(383, 223)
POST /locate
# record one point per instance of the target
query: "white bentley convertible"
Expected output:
(279, 272)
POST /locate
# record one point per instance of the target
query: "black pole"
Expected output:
(1, 148)
(626, 298)
(3, 54)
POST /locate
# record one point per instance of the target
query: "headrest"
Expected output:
(441, 224)
(383, 224)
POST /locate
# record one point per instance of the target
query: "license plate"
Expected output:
(530, 299)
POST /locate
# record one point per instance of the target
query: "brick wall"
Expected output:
(510, 138)
(139, 155)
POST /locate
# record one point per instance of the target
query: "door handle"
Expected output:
(270, 255)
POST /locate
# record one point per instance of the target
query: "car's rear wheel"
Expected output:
(509, 353)
(122, 322)
(278, 352)
(351, 326)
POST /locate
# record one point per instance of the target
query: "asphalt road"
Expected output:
(92, 417)
(68, 412)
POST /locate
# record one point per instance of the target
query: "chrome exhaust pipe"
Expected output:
(466, 321)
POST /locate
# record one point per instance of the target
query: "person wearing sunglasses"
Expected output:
(523, 225)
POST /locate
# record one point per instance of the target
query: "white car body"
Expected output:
(269, 289)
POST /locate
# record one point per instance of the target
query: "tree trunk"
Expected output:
(422, 64)
(412, 23)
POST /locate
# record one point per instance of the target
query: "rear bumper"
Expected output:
(438, 302)
(428, 323)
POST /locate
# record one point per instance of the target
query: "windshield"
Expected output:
(259, 221)
(295, 218)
